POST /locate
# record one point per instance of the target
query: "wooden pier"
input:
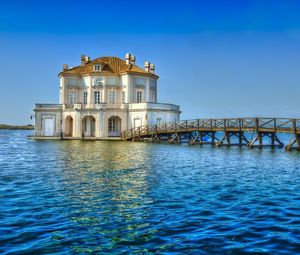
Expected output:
(250, 132)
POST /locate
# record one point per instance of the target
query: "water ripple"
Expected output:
(76, 197)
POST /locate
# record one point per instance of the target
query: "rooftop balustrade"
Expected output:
(48, 106)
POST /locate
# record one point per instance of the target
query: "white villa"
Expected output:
(102, 97)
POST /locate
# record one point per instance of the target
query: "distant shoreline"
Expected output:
(14, 127)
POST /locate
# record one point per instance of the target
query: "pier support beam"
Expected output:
(260, 139)
(275, 142)
(202, 137)
(213, 138)
(175, 139)
(195, 139)
(227, 141)
(154, 138)
(295, 141)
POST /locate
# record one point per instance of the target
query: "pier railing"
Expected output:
(196, 128)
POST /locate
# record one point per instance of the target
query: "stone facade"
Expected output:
(102, 97)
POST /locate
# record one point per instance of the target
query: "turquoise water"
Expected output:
(76, 197)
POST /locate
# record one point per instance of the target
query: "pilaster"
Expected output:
(90, 92)
(101, 124)
(147, 96)
(104, 91)
(62, 87)
(77, 125)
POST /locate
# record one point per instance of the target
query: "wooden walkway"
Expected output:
(251, 132)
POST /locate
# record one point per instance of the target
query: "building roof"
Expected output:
(111, 65)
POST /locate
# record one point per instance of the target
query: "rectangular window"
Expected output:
(72, 97)
(97, 97)
(84, 97)
(112, 97)
(139, 95)
(152, 96)
(112, 125)
(123, 97)
(97, 68)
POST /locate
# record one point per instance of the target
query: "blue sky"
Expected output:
(214, 58)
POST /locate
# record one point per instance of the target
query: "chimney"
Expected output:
(147, 66)
(65, 67)
(152, 68)
(84, 59)
(132, 59)
(128, 58)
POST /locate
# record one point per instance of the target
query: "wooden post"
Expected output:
(186, 125)
(259, 135)
(260, 140)
(297, 137)
(213, 138)
(240, 138)
(198, 125)
(132, 134)
(298, 141)
(190, 136)
(139, 132)
(178, 139)
(257, 124)
(273, 139)
(227, 134)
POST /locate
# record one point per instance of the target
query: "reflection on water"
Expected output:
(122, 197)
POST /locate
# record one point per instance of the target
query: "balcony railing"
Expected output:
(104, 105)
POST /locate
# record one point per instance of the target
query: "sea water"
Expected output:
(80, 197)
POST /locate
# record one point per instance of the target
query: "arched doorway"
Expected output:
(114, 126)
(69, 126)
(88, 126)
